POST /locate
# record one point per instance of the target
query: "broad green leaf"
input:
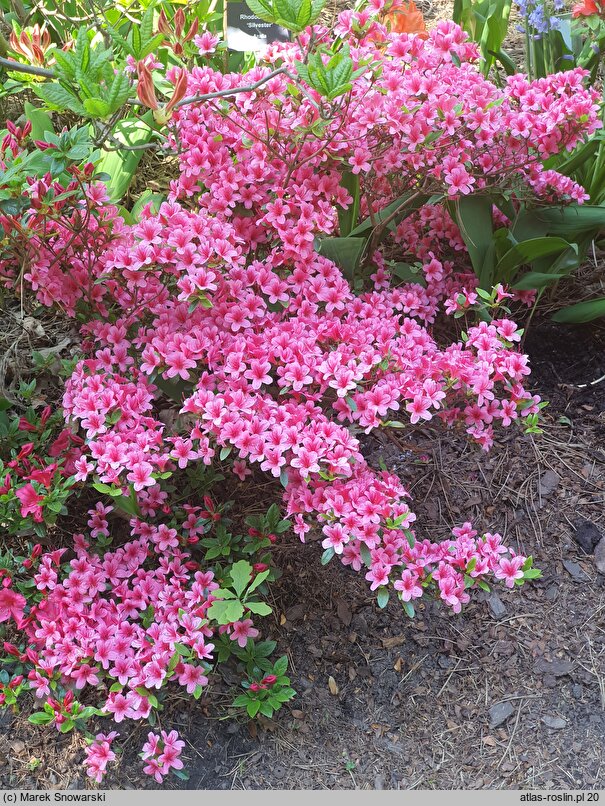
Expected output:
(226, 612)
(253, 708)
(536, 279)
(40, 120)
(264, 10)
(405, 204)
(41, 718)
(97, 107)
(258, 580)
(581, 312)
(473, 214)
(58, 97)
(122, 165)
(118, 92)
(148, 196)
(259, 608)
(348, 217)
(527, 251)
(345, 252)
(566, 221)
(240, 574)
(382, 597)
(408, 274)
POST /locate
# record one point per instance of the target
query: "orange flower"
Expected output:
(405, 18)
(587, 8)
(32, 45)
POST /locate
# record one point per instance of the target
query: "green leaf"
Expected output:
(225, 452)
(266, 709)
(259, 608)
(565, 221)
(327, 556)
(240, 574)
(263, 10)
(118, 92)
(382, 597)
(508, 64)
(40, 120)
(253, 706)
(408, 274)
(258, 580)
(58, 97)
(345, 252)
(581, 312)
(365, 554)
(527, 251)
(405, 204)
(536, 279)
(41, 718)
(473, 214)
(226, 612)
(409, 609)
(96, 107)
(348, 217)
(122, 165)
(147, 197)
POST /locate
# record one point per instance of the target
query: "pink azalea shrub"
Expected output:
(221, 299)
(276, 360)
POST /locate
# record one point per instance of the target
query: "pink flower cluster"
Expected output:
(162, 753)
(99, 754)
(116, 619)
(270, 353)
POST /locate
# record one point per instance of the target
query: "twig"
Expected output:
(17, 67)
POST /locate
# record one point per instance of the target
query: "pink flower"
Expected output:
(510, 569)
(12, 605)
(408, 586)
(242, 630)
(30, 502)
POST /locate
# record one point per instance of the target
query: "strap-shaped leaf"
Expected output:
(527, 251)
(473, 214)
(348, 217)
(345, 252)
(581, 312)
(536, 279)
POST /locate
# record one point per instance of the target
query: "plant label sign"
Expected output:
(246, 32)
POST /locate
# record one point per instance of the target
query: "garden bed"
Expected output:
(510, 694)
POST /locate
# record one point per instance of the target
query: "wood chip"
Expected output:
(395, 640)
(332, 686)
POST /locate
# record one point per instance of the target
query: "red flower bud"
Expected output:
(15, 681)
(260, 567)
(11, 649)
(25, 451)
(145, 89)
